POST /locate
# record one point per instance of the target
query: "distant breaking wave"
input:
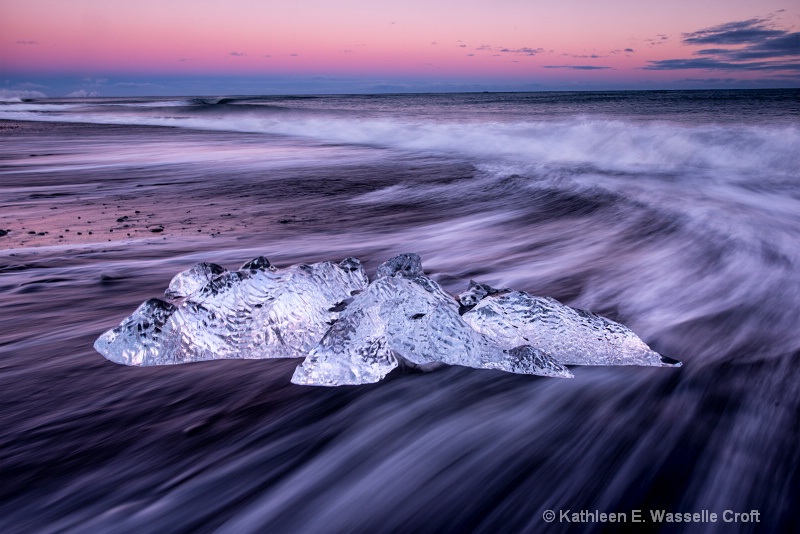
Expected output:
(607, 144)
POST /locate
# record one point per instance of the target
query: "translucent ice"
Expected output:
(147, 337)
(405, 317)
(570, 336)
(255, 312)
(351, 331)
(191, 281)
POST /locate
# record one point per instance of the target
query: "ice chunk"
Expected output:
(256, 312)
(404, 316)
(570, 336)
(191, 281)
(143, 337)
(257, 264)
(429, 330)
(353, 351)
(351, 331)
(527, 360)
(407, 265)
(474, 293)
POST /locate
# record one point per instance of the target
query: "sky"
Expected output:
(59, 48)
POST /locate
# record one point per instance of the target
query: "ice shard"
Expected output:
(256, 312)
(405, 317)
(571, 336)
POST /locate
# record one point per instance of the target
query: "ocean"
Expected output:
(676, 213)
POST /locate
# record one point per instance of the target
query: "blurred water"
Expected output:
(677, 214)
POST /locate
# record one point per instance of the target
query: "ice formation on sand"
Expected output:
(352, 331)
(256, 312)
(405, 317)
(571, 336)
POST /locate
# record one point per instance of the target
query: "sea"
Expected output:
(676, 213)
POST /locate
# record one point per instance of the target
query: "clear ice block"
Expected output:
(571, 336)
(255, 312)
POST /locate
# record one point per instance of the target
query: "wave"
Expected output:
(14, 95)
(608, 144)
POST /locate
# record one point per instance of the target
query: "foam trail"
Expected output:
(609, 144)
(700, 259)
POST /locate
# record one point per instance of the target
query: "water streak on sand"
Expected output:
(677, 214)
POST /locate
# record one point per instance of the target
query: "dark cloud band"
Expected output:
(747, 45)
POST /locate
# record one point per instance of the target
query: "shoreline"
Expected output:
(49, 200)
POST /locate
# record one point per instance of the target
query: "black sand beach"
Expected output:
(700, 263)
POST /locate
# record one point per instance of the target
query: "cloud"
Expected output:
(677, 64)
(628, 50)
(710, 80)
(82, 93)
(786, 45)
(238, 54)
(749, 45)
(576, 67)
(136, 84)
(525, 50)
(731, 33)
(584, 56)
(26, 42)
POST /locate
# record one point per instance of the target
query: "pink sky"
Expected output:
(534, 41)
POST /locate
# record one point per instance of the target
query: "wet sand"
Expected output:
(44, 203)
(52, 197)
(90, 446)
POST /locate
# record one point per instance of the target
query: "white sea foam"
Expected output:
(15, 95)
(613, 145)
